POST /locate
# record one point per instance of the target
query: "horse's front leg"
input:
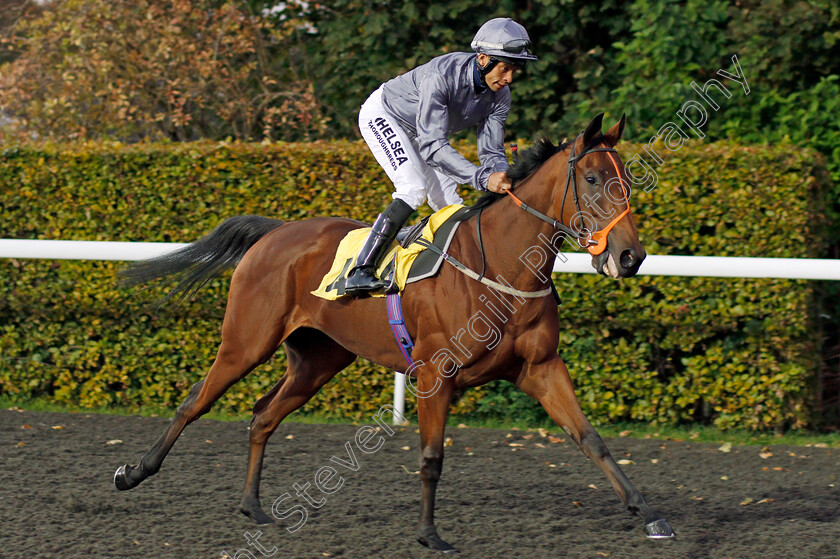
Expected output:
(431, 413)
(550, 383)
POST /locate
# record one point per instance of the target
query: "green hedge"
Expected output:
(727, 351)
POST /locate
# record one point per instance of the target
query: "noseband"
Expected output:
(594, 241)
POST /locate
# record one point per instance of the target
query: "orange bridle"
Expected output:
(594, 241)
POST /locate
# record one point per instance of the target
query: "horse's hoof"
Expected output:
(256, 514)
(121, 478)
(659, 530)
(431, 540)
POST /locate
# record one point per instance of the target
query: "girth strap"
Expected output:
(397, 322)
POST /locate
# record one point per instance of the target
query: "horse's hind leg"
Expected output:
(314, 359)
(551, 385)
(227, 369)
(246, 343)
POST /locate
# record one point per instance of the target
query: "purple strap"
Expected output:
(395, 319)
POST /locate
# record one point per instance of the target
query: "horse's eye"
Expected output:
(590, 180)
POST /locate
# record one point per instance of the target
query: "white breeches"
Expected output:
(415, 181)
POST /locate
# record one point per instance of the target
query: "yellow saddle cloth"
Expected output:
(398, 258)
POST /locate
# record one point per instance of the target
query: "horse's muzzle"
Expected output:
(627, 265)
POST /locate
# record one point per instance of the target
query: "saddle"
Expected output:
(407, 261)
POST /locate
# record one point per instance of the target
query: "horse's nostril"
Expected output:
(628, 258)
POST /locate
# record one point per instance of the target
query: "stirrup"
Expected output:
(367, 281)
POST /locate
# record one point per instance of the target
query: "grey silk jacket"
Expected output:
(438, 99)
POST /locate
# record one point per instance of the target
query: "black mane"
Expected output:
(526, 163)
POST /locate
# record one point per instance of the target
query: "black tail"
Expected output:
(201, 261)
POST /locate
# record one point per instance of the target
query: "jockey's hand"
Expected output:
(499, 183)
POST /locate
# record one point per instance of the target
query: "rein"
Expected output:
(594, 241)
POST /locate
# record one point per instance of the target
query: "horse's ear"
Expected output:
(614, 134)
(593, 129)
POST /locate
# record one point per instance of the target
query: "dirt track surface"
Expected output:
(495, 499)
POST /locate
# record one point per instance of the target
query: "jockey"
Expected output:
(407, 123)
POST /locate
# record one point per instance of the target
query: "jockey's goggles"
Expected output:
(515, 46)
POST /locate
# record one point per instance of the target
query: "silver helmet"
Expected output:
(504, 39)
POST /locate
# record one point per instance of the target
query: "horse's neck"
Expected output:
(514, 236)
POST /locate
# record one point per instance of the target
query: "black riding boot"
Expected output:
(362, 277)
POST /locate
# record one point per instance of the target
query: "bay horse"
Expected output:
(279, 264)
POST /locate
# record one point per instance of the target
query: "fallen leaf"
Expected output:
(556, 440)
(624, 433)
(539, 445)
(765, 455)
(578, 505)
(409, 471)
(821, 445)
(515, 444)
(724, 478)
(448, 442)
(625, 462)
(21, 443)
(27, 426)
(747, 501)
(406, 448)
(602, 554)
(725, 447)
(592, 486)
(57, 427)
(290, 436)
(694, 435)
(765, 501)
(654, 461)
(526, 437)
(695, 498)
(551, 465)
(462, 426)
(208, 441)
(114, 441)
(542, 432)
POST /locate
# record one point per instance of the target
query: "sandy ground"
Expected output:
(502, 494)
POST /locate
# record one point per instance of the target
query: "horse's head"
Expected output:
(593, 200)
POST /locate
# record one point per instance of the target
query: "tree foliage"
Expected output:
(134, 69)
(359, 45)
